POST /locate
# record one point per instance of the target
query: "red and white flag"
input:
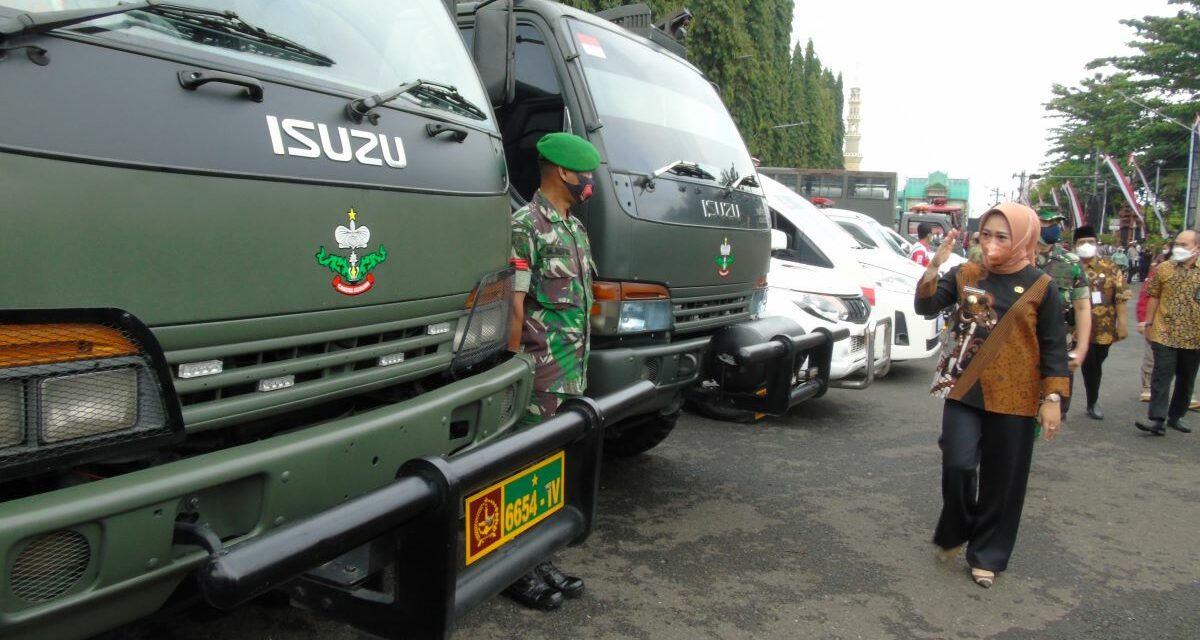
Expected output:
(1073, 200)
(1141, 176)
(591, 45)
(1126, 190)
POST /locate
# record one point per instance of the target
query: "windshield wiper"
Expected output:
(42, 21)
(223, 21)
(679, 168)
(231, 22)
(747, 179)
(360, 108)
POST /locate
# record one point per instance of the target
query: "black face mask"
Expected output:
(582, 191)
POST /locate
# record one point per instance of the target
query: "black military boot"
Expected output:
(532, 591)
(570, 586)
(1179, 426)
(1152, 426)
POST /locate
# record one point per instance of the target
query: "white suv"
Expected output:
(816, 280)
(895, 275)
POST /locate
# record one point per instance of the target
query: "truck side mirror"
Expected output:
(779, 240)
(494, 50)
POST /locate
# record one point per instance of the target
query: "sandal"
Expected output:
(983, 577)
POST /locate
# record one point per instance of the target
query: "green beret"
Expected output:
(569, 151)
(1049, 214)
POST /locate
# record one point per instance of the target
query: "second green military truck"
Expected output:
(679, 226)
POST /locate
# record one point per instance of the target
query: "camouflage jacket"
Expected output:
(554, 268)
(1109, 293)
(1068, 274)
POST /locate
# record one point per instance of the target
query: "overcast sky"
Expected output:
(959, 86)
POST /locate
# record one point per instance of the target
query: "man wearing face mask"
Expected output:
(1071, 281)
(552, 296)
(1173, 327)
(1108, 295)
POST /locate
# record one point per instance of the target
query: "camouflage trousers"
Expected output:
(542, 406)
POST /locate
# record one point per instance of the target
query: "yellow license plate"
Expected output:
(501, 512)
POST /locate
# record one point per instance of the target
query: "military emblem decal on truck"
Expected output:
(352, 274)
(724, 259)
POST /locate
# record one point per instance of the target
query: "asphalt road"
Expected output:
(817, 525)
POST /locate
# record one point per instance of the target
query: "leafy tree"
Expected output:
(1114, 111)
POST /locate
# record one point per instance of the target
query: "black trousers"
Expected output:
(1178, 363)
(985, 468)
(1091, 369)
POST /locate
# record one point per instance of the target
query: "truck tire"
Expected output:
(726, 414)
(640, 434)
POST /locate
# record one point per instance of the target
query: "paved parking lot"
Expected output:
(817, 525)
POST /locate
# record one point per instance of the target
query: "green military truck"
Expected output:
(254, 326)
(679, 227)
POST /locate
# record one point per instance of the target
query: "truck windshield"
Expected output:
(374, 45)
(657, 110)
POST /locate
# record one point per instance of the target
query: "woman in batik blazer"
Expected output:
(1002, 373)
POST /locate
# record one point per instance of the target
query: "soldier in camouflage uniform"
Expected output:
(552, 300)
(1072, 282)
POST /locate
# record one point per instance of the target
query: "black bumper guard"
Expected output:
(415, 525)
(773, 375)
(789, 354)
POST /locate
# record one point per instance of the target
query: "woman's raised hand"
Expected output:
(947, 246)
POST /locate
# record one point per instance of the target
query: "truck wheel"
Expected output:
(639, 434)
(726, 414)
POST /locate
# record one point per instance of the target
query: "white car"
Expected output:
(914, 336)
(816, 280)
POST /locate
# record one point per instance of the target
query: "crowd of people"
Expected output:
(1026, 310)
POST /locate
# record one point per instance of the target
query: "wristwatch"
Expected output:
(1054, 397)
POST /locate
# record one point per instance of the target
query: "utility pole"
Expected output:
(1103, 205)
(1158, 214)
(1190, 219)
(1021, 189)
(1096, 185)
(996, 195)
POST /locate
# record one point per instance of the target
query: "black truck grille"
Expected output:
(696, 314)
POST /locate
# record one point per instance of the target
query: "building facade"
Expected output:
(937, 185)
(869, 192)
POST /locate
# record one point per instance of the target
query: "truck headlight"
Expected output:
(77, 385)
(87, 404)
(827, 308)
(484, 332)
(12, 414)
(623, 308)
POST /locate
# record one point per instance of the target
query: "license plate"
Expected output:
(504, 510)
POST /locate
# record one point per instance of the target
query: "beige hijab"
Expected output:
(1025, 228)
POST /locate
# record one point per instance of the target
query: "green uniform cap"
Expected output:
(569, 151)
(1050, 214)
